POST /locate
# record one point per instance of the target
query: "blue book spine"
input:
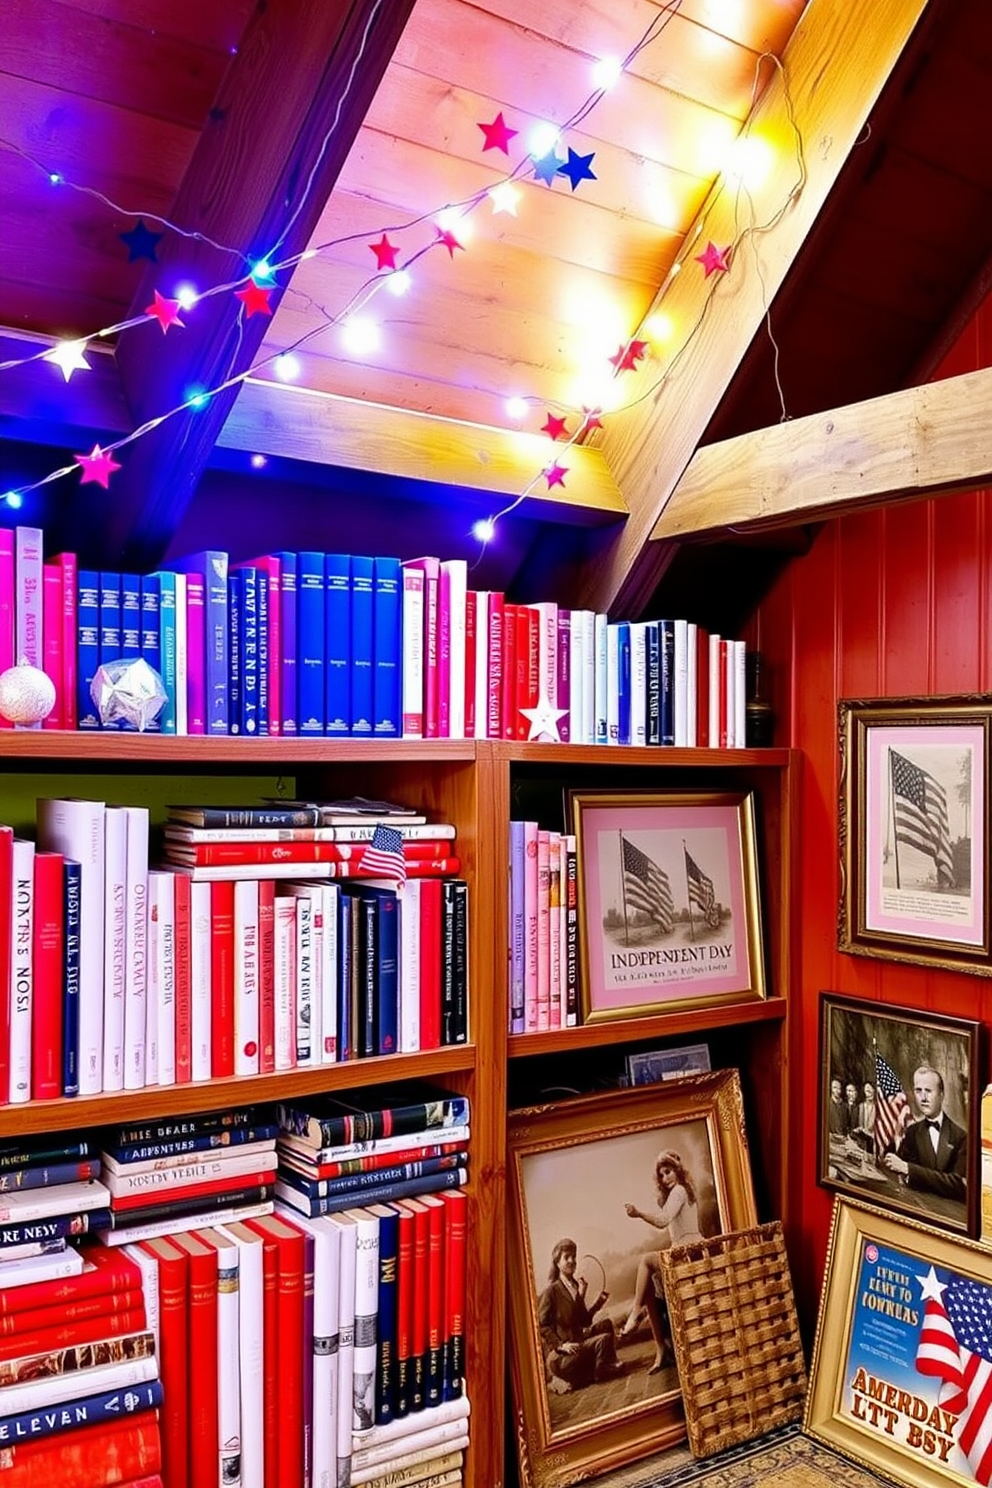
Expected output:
(167, 646)
(235, 660)
(52, 1175)
(653, 661)
(55, 1227)
(367, 909)
(346, 1031)
(130, 616)
(518, 928)
(72, 874)
(387, 1318)
(310, 642)
(387, 638)
(151, 639)
(213, 565)
(249, 651)
(134, 1152)
(406, 1188)
(364, 1185)
(338, 646)
(623, 680)
(87, 646)
(263, 652)
(87, 1410)
(386, 981)
(287, 638)
(666, 634)
(110, 616)
(362, 655)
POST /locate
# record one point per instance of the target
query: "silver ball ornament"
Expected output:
(27, 695)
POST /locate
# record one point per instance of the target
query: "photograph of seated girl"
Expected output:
(677, 1218)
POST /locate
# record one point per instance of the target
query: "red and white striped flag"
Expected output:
(892, 1113)
(383, 855)
(955, 1347)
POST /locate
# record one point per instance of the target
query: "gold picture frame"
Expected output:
(669, 903)
(894, 1384)
(602, 1172)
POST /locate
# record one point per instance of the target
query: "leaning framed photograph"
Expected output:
(669, 911)
(899, 1378)
(914, 849)
(591, 1357)
(898, 1109)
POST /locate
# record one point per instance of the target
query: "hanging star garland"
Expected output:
(68, 357)
(591, 418)
(548, 167)
(447, 237)
(555, 475)
(577, 168)
(254, 297)
(714, 260)
(166, 312)
(385, 253)
(497, 135)
(554, 427)
(626, 358)
(504, 198)
(98, 466)
(141, 242)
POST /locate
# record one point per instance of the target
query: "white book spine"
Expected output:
(419, 1446)
(246, 977)
(251, 1374)
(200, 981)
(154, 1229)
(714, 699)
(548, 660)
(422, 1424)
(730, 682)
(28, 605)
(326, 1285)
(159, 1180)
(76, 829)
(21, 971)
(148, 1266)
(182, 670)
(366, 1310)
(160, 906)
(109, 1166)
(576, 679)
(587, 625)
(740, 694)
(680, 696)
(409, 1009)
(329, 976)
(639, 683)
(613, 684)
(26, 1205)
(304, 980)
(692, 677)
(346, 1343)
(599, 632)
(25, 1270)
(114, 946)
(284, 958)
(228, 1358)
(136, 948)
(57, 1389)
(413, 653)
(457, 587)
(438, 1470)
(481, 663)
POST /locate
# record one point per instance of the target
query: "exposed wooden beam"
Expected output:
(289, 108)
(276, 420)
(909, 444)
(833, 70)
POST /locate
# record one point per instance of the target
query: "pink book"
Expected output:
(431, 568)
(51, 626)
(554, 930)
(564, 669)
(543, 933)
(471, 612)
(67, 566)
(413, 653)
(270, 565)
(28, 595)
(530, 927)
(444, 652)
(196, 656)
(495, 671)
(508, 684)
(6, 604)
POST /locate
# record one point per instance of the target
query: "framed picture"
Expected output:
(899, 1094)
(900, 1367)
(592, 1364)
(914, 846)
(669, 911)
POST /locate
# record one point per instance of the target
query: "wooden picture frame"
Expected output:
(596, 1171)
(669, 907)
(884, 1071)
(914, 845)
(890, 1384)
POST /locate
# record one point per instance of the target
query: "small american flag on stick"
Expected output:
(383, 857)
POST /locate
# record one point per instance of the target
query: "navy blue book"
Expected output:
(653, 647)
(234, 662)
(110, 616)
(25, 1152)
(366, 1184)
(71, 890)
(213, 565)
(338, 643)
(288, 643)
(367, 909)
(459, 1014)
(666, 633)
(215, 1141)
(362, 612)
(247, 586)
(170, 1130)
(623, 681)
(385, 980)
(406, 1188)
(55, 1227)
(310, 643)
(151, 641)
(387, 649)
(87, 645)
(346, 1024)
(87, 1410)
(332, 1121)
(50, 1175)
(122, 1219)
(387, 1318)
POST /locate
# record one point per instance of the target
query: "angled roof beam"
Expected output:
(834, 68)
(287, 113)
(915, 443)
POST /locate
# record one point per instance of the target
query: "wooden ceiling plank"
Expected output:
(288, 111)
(217, 26)
(835, 66)
(297, 424)
(919, 442)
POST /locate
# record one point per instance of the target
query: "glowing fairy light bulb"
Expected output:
(516, 407)
(399, 282)
(542, 139)
(287, 367)
(360, 335)
(484, 530)
(606, 72)
(187, 296)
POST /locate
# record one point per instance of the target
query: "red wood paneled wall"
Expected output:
(886, 603)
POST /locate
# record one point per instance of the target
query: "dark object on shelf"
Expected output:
(759, 720)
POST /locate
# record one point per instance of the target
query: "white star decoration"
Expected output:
(68, 357)
(504, 198)
(930, 1287)
(543, 721)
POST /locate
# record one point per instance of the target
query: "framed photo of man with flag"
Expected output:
(669, 912)
(914, 836)
(898, 1102)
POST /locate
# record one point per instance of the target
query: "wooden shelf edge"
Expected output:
(79, 746)
(134, 1106)
(635, 1030)
(604, 754)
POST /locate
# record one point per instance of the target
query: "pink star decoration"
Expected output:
(98, 466)
(497, 135)
(554, 427)
(447, 237)
(166, 312)
(626, 358)
(591, 418)
(555, 475)
(255, 298)
(385, 253)
(714, 260)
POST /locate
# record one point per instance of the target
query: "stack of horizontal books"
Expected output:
(47, 1193)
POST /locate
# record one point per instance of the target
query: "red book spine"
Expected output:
(471, 629)
(44, 1340)
(123, 1203)
(494, 671)
(532, 691)
(47, 949)
(182, 943)
(404, 1310)
(521, 671)
(289, 1348)
(60, 1314)
(418, 1332)
(109, 1270)
(702, 688)
(51, 634)
(173, 1357)
(6, 904)
(434, 1379)
(430, 964)
(201, 1371)
(456, 1245)
(508, 680)
(370, 1161)
(270, 1357)
(67, 568)
(89, 1457)
(222, 977)
(266, 976)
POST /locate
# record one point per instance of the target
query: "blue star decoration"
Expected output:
(577, 168)
(547, 168)
(141, 242)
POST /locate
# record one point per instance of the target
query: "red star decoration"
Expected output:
(98, 466)
(554, 427)
(626, 358)
(497, 135)
(255, 298)
(385, 253)
(166, 312)
(715, 260)
(591, 418)
(555, 475)
(447, 237)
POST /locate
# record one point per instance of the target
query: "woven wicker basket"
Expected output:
(736, 1336)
